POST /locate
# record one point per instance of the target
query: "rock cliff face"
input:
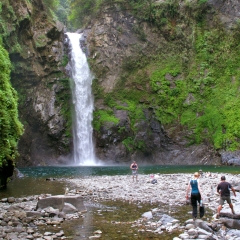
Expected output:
(114, 39)
(117, 42)
(35, 44)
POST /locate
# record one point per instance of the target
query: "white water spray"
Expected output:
(82, 101)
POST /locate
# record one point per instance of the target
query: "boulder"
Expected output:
(34, 214)
(231, 223)
(147, 215)
(203, 225)
(165, 219)
(58, 202)
(69, 208)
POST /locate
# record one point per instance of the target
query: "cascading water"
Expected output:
(83, 102)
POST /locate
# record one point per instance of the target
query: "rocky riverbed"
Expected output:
(21, 219)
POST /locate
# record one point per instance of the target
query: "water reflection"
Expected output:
(27, 186)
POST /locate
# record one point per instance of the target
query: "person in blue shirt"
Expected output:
(196, 193)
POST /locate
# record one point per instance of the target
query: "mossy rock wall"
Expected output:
(34, 41)
(165, 89)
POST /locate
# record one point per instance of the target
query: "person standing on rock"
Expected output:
(223, 190)
(196, 193)
(134, 168)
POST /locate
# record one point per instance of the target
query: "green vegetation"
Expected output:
(82, 11)
(198, 91)
(10, 127)
(63, 99)
(6, 15)
(212, 82)
(41, 40)
(62, 11)
(104, 117)
(51, 4)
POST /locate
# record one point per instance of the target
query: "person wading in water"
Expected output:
(134, 168)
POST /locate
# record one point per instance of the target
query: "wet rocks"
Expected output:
(20, 219)
(69, 204)
(231, 158)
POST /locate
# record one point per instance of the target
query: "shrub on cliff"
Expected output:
(10, 127)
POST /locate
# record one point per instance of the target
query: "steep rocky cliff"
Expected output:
(155, 75)
(124, 52)
(35, 44)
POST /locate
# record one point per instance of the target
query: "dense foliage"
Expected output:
(205, 95)
(82, 11)
(62, 11)
(10, 127)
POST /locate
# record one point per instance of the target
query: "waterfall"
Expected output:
(82, 101)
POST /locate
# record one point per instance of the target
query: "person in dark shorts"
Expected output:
(196, 193)
(223, 189)
(134, 168)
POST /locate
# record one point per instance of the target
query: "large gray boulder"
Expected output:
(231, 223)
(59, 202)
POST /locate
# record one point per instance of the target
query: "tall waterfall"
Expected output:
(82, 101)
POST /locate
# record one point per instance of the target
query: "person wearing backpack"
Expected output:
(196, 195)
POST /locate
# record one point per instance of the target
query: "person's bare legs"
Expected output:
(231, 206)
(219, 210)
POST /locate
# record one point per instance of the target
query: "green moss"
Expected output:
(40, 40)
(104, 117)
(129, 143)
(64, 60)
(10, 127)
(63, 99)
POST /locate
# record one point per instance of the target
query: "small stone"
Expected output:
(30, 237)
(48, 238)
(11, 199)
(60, 234)
(30, 231)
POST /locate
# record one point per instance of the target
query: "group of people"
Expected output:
(223, 190)
(196, 196)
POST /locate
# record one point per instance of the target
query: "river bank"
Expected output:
(169, 189)
(162, 206)
(168, 192)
